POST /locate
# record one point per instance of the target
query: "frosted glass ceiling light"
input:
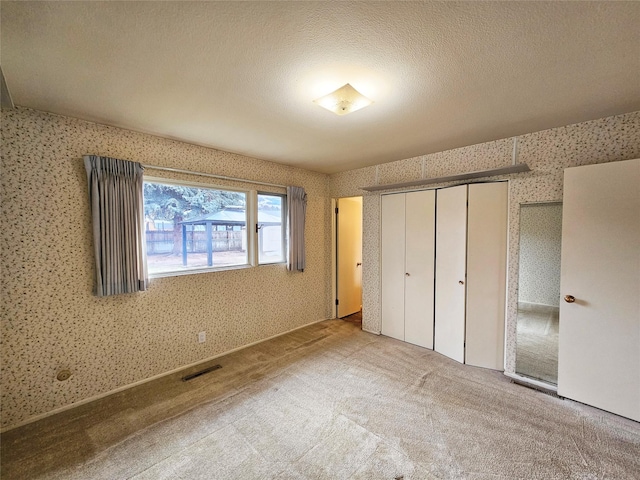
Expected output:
(344, 100)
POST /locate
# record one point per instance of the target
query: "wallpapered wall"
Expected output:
(540, 248)
(547, 153)
(50, 319)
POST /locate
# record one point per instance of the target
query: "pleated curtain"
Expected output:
(296, 212)
(117, 211)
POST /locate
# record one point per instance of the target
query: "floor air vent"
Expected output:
(186, 378)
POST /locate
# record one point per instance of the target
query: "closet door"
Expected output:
(599, 342)
(419, 265)
(393, 263)
(451, 254)
(486, 274)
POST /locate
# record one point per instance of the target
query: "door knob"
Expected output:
(358, 264)
(408, 274)
(461, 282)
(569, 298)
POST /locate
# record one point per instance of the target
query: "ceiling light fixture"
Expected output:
(344, 100)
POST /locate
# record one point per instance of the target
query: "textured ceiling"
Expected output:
(241, 76)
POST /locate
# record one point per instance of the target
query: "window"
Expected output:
(271, 231)
(191, 227)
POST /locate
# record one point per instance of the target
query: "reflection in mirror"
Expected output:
(539, 291)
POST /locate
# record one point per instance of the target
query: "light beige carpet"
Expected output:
(328, 402)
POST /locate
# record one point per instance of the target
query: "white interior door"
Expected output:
(349, 252)
(420, 211)
(393, 262)
(486, 274)
(599, 341)
(451, 254)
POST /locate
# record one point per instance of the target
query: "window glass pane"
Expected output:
(270, 228)
(194, 227)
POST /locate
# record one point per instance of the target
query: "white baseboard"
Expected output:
(35, 418)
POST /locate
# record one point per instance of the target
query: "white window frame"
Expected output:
(251, 219)
(283, 214)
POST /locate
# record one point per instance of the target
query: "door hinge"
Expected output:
(336, 210)
(336, 301)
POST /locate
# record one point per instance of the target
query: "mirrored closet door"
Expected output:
(539, 291)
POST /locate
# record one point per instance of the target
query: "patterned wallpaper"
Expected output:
(547, 153)
(540, 248)
(51, 320)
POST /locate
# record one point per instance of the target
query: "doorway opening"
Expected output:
(347, 258)
(538, 324)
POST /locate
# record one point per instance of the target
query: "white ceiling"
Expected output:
(241, 76)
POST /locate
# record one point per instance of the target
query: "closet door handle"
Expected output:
(569, 298)
(408, 274)
(461, 282)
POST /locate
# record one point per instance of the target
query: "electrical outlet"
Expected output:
(202, 337)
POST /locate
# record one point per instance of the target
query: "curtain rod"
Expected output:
(220, 177)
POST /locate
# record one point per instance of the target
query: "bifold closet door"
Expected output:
(393, 262)
(451, 259)
(486, 274)
(420, 210)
